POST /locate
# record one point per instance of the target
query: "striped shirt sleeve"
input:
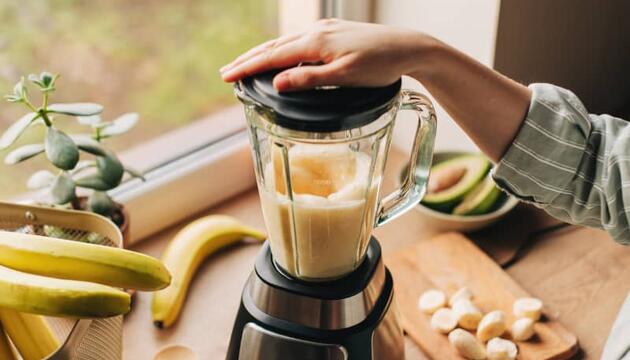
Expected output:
(572, 164)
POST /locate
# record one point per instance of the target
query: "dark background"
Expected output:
(582, 45)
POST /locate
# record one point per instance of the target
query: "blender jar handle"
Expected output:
(414, 184)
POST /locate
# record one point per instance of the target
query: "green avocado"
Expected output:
(480, 200)
(474, 167)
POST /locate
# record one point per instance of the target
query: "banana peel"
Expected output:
(31, 334)
(57, 297)
(63, 259)
(6, 350)
(186, 252)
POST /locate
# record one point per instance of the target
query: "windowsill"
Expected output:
(186, 171)
(176, 143)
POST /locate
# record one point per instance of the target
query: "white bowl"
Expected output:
(439, 221)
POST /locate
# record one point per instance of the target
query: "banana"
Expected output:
(501, 349)
(30, 334)
(466, 344)
(528, 307)
(491, 325)
(443, 320)
(463, 293)
(56, 297)
(184, 254)
(522, 329)
(74, 260)
(6, 351)
(468, 315)
(431, 301)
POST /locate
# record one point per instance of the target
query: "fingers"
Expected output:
(305, 77)
(288, 54)
(259, 49)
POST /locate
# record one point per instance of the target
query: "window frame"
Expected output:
(198, 165)
(181, 171)
(208, 161)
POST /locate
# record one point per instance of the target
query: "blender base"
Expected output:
(354, 317)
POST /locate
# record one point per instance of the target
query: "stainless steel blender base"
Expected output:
(350, 318)
(260, 343)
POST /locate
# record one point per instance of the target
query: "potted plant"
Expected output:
(99, 173)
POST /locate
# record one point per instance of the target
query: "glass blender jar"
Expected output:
(319, 157)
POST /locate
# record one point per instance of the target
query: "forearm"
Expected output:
(488, 106)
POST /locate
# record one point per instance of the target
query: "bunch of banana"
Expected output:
(6, 352)
(47, 276)
(58, 297)
(30, 334)
(75, 260)
(185, 253)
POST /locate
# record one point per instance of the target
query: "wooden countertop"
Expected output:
(580, 274)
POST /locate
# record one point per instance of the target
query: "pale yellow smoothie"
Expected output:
(323, 232)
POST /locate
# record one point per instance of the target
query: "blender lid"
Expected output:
(324, 109)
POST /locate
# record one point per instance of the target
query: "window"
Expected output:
(157, 58)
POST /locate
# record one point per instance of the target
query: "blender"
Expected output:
(319, 289)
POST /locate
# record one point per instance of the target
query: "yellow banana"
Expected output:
(74, 260)
(6, 351)
(57, 297)
(30, 334)
(184, 254)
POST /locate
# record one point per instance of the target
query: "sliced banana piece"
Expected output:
(468, 315)
(444, 320)
(491, 325)
(432, 300)
(522, 329)
(501, 349)
(528, 307)
(463, 293)
(466, 344)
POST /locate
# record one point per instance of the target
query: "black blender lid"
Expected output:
(325, 109)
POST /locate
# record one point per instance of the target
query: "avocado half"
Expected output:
(480, 199)
(476, 167)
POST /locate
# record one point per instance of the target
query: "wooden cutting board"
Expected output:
(448, 262)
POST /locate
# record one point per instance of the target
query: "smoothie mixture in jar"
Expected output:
(333, 206)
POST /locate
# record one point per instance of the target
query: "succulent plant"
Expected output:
(103, 171)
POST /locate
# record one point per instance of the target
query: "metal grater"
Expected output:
(86, 339)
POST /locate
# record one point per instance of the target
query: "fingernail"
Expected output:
(229, 75)
(224, 68)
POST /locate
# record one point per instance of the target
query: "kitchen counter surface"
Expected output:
(580, 274)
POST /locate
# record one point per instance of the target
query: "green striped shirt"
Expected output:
(572, 164)
(575, 166)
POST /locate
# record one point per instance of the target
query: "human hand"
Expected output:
(346, 53)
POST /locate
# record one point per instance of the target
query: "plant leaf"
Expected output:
(91, 120)
(93, 181)
(40, 179)
(16, 129)
(83, 165)
(20, 89)
(62, 190)
(120, 125)
(60, 149)
(110, 169)
(76, 109)
(12, 98)
(36, 80)
(47, 78)
(23, 153)
(99, 202)
(135, 173)
(88, 144)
